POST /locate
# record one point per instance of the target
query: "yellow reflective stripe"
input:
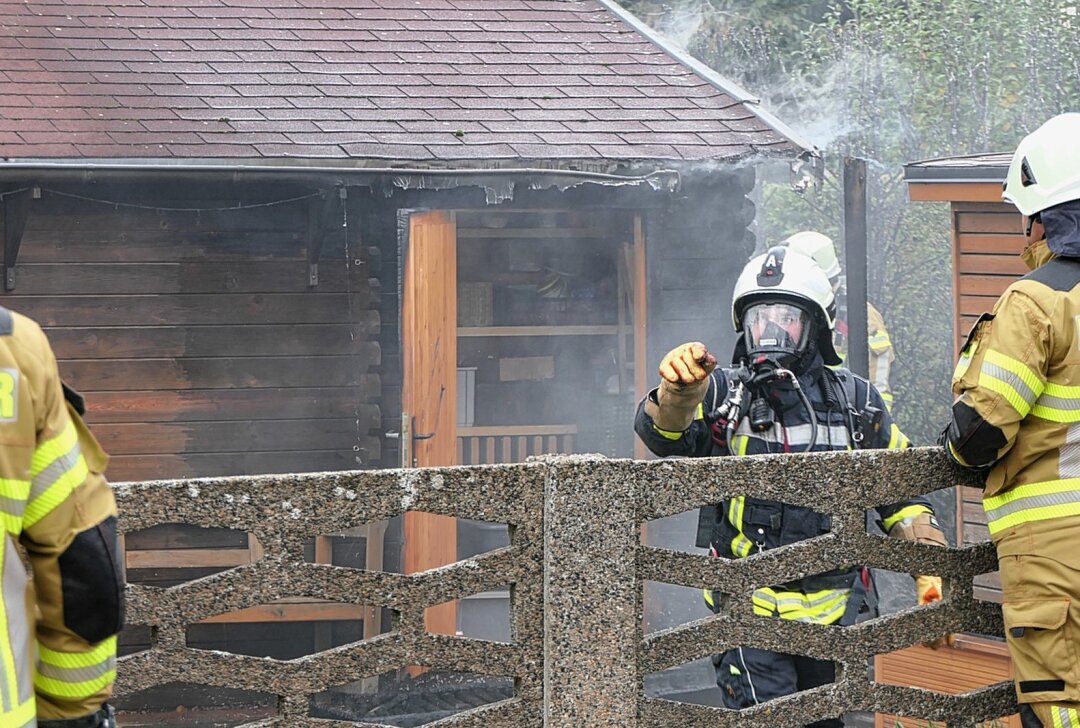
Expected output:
(56, 468)
(888, 397)
(46, 452)
(669, 434)
(740, 545)
(1012, 379)
(964, 362)
(22, 716)
(95, 656)
(1058, 403)
(14, 489)
(1065, 717)
(741, 442)
(1033, 502)
(83, 689)
(897, 439)
(903, 513)
(820, 607)
(707, 593)
(9, 681)
(699, 413)
(879, 342)
(76, 674)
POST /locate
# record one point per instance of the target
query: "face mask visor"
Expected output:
(778, 331)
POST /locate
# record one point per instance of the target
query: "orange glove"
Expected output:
(687, 364)
(928, 589)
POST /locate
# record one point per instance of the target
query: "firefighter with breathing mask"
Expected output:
(880, 355)
(1017, 417)
(779, 397)
(58, 641)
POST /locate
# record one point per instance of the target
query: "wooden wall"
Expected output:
(195, 337)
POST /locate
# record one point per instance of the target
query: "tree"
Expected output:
(894, 81)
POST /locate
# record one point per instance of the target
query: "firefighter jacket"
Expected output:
(1017, 411)
(880, 354)
(56, 503)
(743, 525)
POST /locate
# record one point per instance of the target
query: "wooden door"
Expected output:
(428, 393)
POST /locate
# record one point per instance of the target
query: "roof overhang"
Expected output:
(970, 178)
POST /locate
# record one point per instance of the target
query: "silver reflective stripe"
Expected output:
(54, 471)
(1068, 717)
(1059, 403)
(1069, 454)
(77, 674)
(1033, 501)
(1026, 393)
(797, 434)
(12, 506)
(18, 624)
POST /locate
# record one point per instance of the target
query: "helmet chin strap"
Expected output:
(1032, 219)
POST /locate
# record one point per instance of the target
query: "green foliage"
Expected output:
(892, 81)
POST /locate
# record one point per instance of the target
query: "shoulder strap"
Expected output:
(860, 419)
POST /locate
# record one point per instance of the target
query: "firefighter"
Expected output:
(779, 384)
(58, 642)
(1017, 417)
(881, 355)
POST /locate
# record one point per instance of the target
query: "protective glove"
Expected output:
(105, 717)
(928, 589)
(687, 364)
(684, 379)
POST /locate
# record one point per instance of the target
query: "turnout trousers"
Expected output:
(748, 676)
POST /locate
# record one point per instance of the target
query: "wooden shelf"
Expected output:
(596, 330)
(516, 430)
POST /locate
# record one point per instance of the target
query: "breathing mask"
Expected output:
(777, 333)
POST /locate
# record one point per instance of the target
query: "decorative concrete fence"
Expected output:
(577, 567)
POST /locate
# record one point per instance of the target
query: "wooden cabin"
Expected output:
(295, 238)
(986, 241)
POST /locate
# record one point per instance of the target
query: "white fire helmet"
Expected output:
(814, 245)
(1045, 169)
(783, 275)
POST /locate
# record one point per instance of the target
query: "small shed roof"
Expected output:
(361, 82)
(968, 178)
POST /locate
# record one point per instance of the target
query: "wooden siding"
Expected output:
(199, 344)
(988, 242)
(974, 662)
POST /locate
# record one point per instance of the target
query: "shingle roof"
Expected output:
(424, 81)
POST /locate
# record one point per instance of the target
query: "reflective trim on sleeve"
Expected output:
(897, 439)
(905, 513)
(1012, 379)
(707, 593)
(699, 413)
(76, 674)
(879, 342)
(669, 434)
(1058, 403)
(56, 469)
(1032, 502)
(888, 397)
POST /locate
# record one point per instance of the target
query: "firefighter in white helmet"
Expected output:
(58, 641)
(1017, 417)
(881, 355)
(778, 397)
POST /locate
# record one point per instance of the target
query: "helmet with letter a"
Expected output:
(784, 307)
